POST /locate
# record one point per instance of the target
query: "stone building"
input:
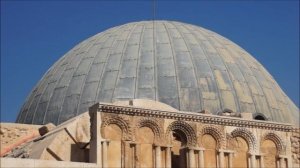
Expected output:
(171, 95)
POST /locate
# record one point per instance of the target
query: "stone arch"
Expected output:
(248, 136)
(260, 116)
(216, 133)
(119, 121)
(191, 138)
(276, 139)
(153, 125)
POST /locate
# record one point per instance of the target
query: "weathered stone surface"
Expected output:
(295, 141)
(12, 134)
(134, 136)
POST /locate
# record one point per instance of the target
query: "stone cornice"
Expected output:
(192, 116)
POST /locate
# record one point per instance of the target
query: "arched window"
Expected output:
(178, 154)
(259, 116)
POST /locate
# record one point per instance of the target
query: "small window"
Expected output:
(260, 117)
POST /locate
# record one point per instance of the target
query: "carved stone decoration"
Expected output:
(216, 133)
(118, 120)
(280, 145)
(189, 132)
(248, 136)
(153, 125)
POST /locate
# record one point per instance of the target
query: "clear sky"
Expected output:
(34, 34)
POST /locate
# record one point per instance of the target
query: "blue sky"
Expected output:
(34, 34)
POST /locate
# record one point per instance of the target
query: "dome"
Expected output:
(184, 66)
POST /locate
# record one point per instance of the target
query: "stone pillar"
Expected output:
(252, 160)
(95, 152)
(289, 162)
(201, 158)
(157, 157)
(127, 154)
(221, 157)
(281, 162)
(168, 157)
(262, 161)
(104, 154)
(191, 160)
(138, 154)
(230, 155)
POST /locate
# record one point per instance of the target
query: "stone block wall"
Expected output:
(295, 141)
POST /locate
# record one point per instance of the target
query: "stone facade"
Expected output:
(138, 134)
(137, 137)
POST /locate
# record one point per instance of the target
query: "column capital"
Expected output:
(197, 148)
(282, 156)
(226, 151)
(105, 140)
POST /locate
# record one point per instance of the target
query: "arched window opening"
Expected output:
(260, 117)
(179, 141)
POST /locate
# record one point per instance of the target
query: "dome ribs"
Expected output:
(145, 84)
(185, 66)
(190, 89)
(123, 83)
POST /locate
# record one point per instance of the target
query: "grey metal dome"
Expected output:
(185, 66)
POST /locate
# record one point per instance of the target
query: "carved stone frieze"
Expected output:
(195, 117)
(248, 136)
(153, 124)
(216, 132)
(280, 145)
(121, 122)
(189, 132)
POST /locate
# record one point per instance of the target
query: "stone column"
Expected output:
(191, 158)
(252, 160)
(157, 157)
(168, 157)
(289, 162)
(138, 155)
(281, 162)
(201, 158)
(230, 155)
(104, 154)
(262, 161)
(221, 157)
(95, 152)
(127, 154)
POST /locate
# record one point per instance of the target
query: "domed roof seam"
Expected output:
(227, 70)
(121, 59)
(138, 61)
(30, 114)
(55, 69)
(264, 95)
(89, 69)
(98, 90)
(67, 59)
(211, 70)
(246, 82)
(155, 63)
(56, 66)
(72, 78)
(108, 37)
(192, 62)
(174, 62)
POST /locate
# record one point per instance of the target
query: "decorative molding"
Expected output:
(248, 136)
(216, 133)
(121, 122)
(280, 145)
(189, 132)
(196, 117)
(153, 125)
